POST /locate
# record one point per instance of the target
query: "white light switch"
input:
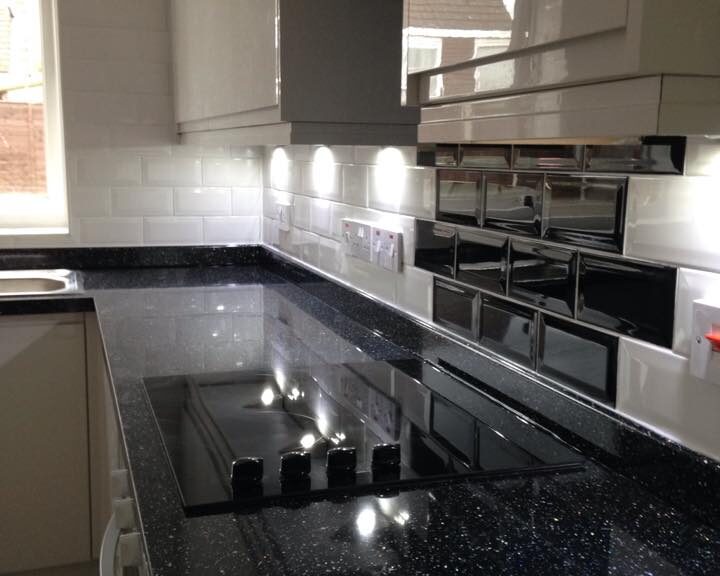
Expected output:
(284, 214)
(705, 343)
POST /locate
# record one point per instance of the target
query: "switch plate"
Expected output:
(704, 361)
(284, 214)
(387, 249)
(357, 238)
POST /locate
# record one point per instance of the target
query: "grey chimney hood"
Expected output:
(563, 70)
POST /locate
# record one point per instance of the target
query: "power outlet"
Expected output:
(357, 237)
(284, 214)
(387, 249)
(705, 343)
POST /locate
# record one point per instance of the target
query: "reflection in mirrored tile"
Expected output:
(579, 357)
(513, 202)
(653, 154)
(486, 156)
(438, 155)
(435, 247)
(459, 196)
(634, 299)
(544, 276)
(548, 157)
(482, 260)
(456, 307)
(586, 211)
(508, 329)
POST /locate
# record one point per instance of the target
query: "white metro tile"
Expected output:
(139, 201)
(270, 232)
(173, 230)
(332, 188)
(320, 216)
(301, 210)
(329, 257)
(414, 291)
(232, 229)
(408, 191)
(172, 171)
(247, 201)
(655, 387)
(674, 219)
(89, 200)
(369, 278)
(98, 231)
(231, 172)
(202, 201)
(355, 184)
(108, 169)
(247, 152)
(200, 151)
(691, 285)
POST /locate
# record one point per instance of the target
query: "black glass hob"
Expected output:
(248, 438)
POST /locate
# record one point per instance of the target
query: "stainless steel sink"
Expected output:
(36, 282)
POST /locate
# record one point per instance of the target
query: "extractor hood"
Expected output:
(562, 70)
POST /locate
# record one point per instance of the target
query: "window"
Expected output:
(32, 158)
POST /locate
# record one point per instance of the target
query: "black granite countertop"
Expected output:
(642, 505)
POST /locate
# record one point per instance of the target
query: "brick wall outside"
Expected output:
(22, 148)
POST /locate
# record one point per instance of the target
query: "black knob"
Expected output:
(295, 464)
(247, 471)
(386, 457)
(341, 460)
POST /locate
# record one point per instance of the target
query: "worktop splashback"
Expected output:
(578, 263)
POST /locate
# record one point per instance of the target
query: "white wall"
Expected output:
(129, 182)
(359, 190)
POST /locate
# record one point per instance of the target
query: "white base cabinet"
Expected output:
(62, 465)
(45, 481)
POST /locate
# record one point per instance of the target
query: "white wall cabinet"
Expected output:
(290, 71)
(549, 66)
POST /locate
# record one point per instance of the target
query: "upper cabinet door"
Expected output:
(225, 57)
(291, 71)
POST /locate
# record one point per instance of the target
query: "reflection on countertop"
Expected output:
(589, 522)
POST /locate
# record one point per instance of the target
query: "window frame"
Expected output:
(32, 213)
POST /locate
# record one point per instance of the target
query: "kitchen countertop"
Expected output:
(629, 512)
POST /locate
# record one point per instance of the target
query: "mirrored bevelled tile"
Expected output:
(587, 211)
(460, 196)
(547, 157)
(486, 156)
(627, 297)
(508, 329)
(482, 260)
(578, 357)
(456, 307)
(438, 155)
(543, 275)
(513, 202)
(435, 247)
(652, 154)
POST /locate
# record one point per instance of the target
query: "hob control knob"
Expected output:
(342, 460)
(295, 465)
(247, 471)
(386, 457)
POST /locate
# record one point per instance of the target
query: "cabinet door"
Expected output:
(225, 57)
(44, 480)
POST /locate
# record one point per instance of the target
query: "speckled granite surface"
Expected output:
(633, 512)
